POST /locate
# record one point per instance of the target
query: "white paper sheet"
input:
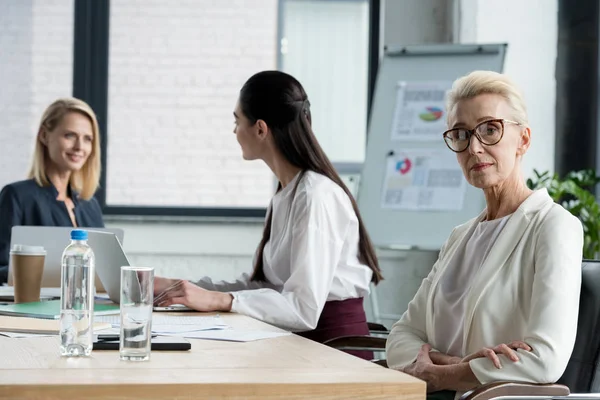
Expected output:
(420, 112)
(423, 179)
(194, 327)
(232, 335)
(176, 329)
(174, 323)
(19, 335)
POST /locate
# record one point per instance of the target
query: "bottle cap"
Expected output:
(79, 234)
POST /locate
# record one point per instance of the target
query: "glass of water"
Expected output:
(137, 296)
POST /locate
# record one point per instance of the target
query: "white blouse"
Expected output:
(311, 258)
(449, 300)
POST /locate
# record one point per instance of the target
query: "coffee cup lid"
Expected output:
(25, 250)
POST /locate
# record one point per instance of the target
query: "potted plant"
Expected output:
(573, 193)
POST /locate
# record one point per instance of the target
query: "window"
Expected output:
(173, 77)
(36, 68)
(325, 45)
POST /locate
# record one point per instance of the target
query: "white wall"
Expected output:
(334, 37)
(192, 250)
(407, 22)
(36, 67)
(530, 28)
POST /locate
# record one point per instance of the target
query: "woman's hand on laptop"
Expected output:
(172, 291)
(162, 284)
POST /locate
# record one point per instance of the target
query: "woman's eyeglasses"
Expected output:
(488, 132)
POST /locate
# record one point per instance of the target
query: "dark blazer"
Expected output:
(27, 203)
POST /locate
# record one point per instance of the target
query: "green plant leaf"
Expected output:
(573, 193)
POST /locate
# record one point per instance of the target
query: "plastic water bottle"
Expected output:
(77, 297)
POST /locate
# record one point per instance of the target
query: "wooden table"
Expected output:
(289, 367)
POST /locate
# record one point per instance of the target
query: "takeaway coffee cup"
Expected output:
(27, 268)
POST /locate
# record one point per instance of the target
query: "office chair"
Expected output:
(582, 374)
(377, 328)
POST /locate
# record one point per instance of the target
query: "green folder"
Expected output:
(50, 309)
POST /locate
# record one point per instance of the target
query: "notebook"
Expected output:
(39, 326)
(7, 293)
(50, 309)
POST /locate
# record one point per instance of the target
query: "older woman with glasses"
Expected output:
(501, 302)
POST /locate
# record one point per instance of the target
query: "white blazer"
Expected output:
(527, 289)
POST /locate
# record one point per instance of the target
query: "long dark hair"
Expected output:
(281, 102)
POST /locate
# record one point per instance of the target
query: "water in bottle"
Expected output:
(77, 297)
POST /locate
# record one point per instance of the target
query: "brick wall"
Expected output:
(36, 57)
(175, 72)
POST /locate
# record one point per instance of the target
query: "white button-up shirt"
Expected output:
(311, 257)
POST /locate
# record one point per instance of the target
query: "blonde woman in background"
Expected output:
(64, 176)
(502, 300)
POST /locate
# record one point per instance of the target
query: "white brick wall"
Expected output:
(175, 72)
(36, 57)
(52, 53)
(15, 96)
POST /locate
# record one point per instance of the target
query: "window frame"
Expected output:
(90, 83)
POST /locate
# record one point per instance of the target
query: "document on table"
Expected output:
(228, 335)
(100, 328)
(196, 327)
(232, 335)
(174, 324)
(20, 335)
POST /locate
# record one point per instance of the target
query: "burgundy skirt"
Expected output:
(341, 318)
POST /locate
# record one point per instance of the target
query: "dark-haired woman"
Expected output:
(315, 261)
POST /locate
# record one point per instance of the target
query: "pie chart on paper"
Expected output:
(431, 114)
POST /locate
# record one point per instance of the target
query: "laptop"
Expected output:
(108, 252)
(108, 267)
(55, 239)
(110, 257)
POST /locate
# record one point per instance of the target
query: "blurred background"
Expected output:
(163, 77)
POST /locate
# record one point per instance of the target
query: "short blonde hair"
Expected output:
(488, 82)
(84, 181)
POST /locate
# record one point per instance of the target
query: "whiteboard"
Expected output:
(415, 229)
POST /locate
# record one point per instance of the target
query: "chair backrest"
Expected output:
(583, 371)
